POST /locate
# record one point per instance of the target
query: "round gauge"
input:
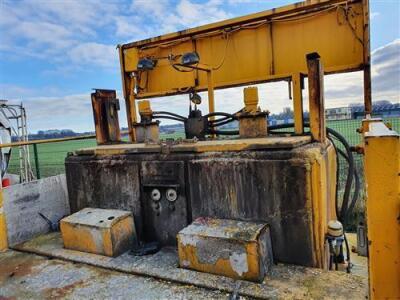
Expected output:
(155, 195)
(171, 195)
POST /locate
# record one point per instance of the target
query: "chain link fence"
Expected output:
(348, 128)
(51, 157)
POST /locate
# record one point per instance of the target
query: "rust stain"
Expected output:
(57, 293)
(17, 266)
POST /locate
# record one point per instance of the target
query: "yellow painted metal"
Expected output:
(272, 142)
(225, 247)
(322, 190)
(131, 109)
(250, 96)
(210, 89)
(99, 231)
(298, 103)
(3, 225)
(255, 48)
(316, 97)
(367, 60)
(254, 125)
(144, 107)
(382, 175)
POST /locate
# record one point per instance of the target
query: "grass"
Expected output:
(52, 156)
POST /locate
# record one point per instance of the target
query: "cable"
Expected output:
(155, 113)
(346, 209)
(219, 114)
(225, 52)
(169, 118)
(221, 123)
(223, 132)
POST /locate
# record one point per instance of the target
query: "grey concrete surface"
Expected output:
(28, 276)
(283, 282)
(23, 203)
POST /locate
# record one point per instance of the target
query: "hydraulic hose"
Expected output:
(169, 118)
(223, 132)
(220, 123)
(155, 113)
(220, 114)
(346, 209)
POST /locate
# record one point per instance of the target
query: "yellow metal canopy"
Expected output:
(261, 47)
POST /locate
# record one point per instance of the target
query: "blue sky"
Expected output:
(52, 52)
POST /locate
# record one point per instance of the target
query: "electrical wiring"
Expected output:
(224, 57)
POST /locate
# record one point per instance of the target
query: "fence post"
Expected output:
(35, 154)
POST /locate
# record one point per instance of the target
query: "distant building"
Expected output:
(383, 110)
(378, 110)
(338, 113)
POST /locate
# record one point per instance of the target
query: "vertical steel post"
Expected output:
(297, 103)
(210, 82)
(211, 103)
(367, 60)
(316, 97)
(3, 227)
(382, 170)
(37, 167)
(131, 110)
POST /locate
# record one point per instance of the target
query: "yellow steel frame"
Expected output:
(382, 169)
(3, 225)
(262, 47)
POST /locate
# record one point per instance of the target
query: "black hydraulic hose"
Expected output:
(219, 120)
(221, 123)
(337, 178)
(346, 197)
(357, 185)
(218, 113)
(223, 132)
(345, 210)
(155, 113)
(169, 118)
(342, 216)
(347, 252)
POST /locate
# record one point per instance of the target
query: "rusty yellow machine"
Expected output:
(258, 173)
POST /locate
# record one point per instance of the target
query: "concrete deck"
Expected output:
(284, 282)
(29, 276)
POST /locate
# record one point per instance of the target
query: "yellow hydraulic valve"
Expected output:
(145, 111)
(250, 95)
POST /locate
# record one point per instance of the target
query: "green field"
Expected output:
(51, 156)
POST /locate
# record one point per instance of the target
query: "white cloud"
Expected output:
(48, 30)
(343, 89)
(95, 54)
(157, 8)
(160, 17)
(63, 112)
(74, 111)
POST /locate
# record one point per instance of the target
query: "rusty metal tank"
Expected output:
(282, 181)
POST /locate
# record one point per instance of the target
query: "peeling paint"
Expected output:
(188, 240)
(239, 263)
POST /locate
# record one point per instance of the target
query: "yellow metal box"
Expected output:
(241, 250)
(101, 231)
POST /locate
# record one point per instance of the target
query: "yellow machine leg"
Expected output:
(3, 226)
(382, 170)
(297, 103)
